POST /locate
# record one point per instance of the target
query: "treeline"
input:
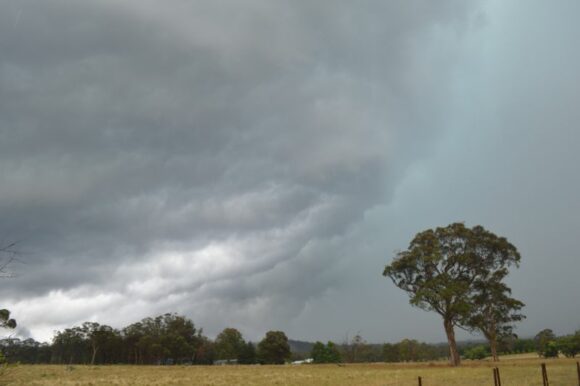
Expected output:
(358, 350)
(165, 339)
(174, 339)
(546, 344)
(550, 346)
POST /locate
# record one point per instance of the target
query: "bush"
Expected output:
(570, 345)
(325, 354)
(551, 350)
(477, 353)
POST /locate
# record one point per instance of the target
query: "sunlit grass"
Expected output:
(520, 372)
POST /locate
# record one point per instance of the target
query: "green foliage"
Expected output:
(5, 321)
(445, 269)
(165, 338)
(542, 339)
(477, 353)
(391, 353)
(410, 350)
(229, 344)
(569, 345)
(25, 351)
(204, 352)
(520, 345)
(355, 350)
(494, 311)
(274, 348)
(3, 364)
(247, 354)
(551, 350)
(328, 353)
(440, 266)
(359, 351)
(318, 352)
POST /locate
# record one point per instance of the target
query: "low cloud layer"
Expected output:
(255, 164)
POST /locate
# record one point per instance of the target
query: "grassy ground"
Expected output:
(520, 372)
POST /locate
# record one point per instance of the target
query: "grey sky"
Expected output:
(255, 164)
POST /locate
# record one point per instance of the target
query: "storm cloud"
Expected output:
(255, 164)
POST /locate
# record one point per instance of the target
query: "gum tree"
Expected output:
(494, 310)
(229, 344)
(442, 267)
(274, 348)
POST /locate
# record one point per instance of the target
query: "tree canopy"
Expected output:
(545, 343)
(442, 269)
(274, 348)
(328, 353)
(494, 311)
(229, 344)
(5, 320)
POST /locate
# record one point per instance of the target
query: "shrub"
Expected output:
(569, 345)
(477, 353)
(551, 350)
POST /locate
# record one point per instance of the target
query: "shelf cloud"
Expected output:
(254, 164)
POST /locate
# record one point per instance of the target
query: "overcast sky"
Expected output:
(256, 163)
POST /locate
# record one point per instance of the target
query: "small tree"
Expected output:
(494, 310)
(440, 268)
(542, 339)
(325, 354)
(570, 345)
(353, 350)
(476, 353)
(229, 344)
(318, 352)
(551, 350)
(332, 353)
(274, 348)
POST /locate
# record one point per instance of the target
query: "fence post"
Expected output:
(420, 381)
(494, 377)
(578, 369)
(545, 375)
(498, 377)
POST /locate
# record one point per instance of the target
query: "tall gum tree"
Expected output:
(442, 267)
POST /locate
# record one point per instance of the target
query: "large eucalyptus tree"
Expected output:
(443, 268)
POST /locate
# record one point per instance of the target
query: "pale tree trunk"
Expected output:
(493, 349)
(491, 336)
(454, 358)
(95, 349)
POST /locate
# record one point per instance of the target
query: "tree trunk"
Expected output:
(94, 355)
(454, 358)
(493, 349)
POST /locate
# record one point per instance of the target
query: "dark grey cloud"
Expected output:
(242, 163)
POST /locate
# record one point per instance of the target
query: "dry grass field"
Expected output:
(520, 372)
